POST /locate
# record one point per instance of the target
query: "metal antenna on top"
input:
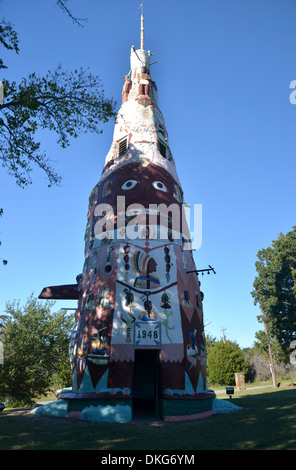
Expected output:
(142, 25)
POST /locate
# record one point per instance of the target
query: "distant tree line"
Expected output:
(36, 354)
(36, 340)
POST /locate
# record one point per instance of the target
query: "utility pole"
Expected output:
(223, 329)
(272, 370)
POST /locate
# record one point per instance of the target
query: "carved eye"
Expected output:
(129, 184)
(159, 185)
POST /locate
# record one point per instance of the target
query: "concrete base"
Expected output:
(121, 411)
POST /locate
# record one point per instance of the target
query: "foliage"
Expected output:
(224, 360)
(275, 288)
(8, 39)
(36, 344)
(69, 103)
(210, 342)
(261, 347)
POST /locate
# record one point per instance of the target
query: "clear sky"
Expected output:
(223, 73)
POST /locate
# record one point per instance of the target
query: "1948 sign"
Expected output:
(147, 333)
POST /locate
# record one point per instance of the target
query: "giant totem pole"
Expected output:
(139, 321)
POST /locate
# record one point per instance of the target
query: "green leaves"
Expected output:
(36, 343)
(224, 359)
(8, 36)
(68, 103)
(275, 287)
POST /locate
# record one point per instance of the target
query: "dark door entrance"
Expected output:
(145, 386)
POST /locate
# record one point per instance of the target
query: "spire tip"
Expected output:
(142, 25)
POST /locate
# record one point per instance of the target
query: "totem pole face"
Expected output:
(136, 186)
(136, 291)
(140, 184)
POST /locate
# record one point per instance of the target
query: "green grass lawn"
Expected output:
(268, 421)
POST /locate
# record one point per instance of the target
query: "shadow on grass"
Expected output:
(268, 421)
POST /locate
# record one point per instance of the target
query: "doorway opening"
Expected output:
(145, 385)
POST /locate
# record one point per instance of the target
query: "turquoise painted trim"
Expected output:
(179, 407)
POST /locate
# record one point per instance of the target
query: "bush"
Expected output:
(36, 343)
(224, 360)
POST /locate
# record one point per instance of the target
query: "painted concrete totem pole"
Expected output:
(137, 300)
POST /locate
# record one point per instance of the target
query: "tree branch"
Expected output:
(62, 5)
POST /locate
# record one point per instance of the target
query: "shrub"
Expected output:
(36, 343)
(224, 360)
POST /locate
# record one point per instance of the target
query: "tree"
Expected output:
(261, 348)
(210, 342)
(68, 103)
(63, 5)
(275, 289)
(224, 360)
(36, 344)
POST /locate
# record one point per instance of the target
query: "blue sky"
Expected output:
(223, 73)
